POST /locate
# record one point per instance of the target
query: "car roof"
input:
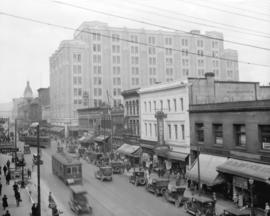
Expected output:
(239, 212)
(77, 189)
(202, 198)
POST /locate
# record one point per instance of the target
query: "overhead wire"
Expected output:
(227, 26)
(241, 9)
(126, 40)
(160, 26)
(225, 11)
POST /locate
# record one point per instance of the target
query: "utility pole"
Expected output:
(38, 171)
(199, 172)
(15, 142)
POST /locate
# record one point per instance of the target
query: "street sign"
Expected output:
(8, 149)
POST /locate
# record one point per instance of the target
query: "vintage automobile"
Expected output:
(72, 149)
(60, 149)
(157, 185)
(138, 177)
(26, 149)
(200, 206)
(117, 166)
(78, 202)
(236, 212)
(81, 151)
(35, 159)
(104, 173)
(102, 161)
(175, 194)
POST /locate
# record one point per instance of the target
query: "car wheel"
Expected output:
(177, 203)
(163, 190)
(142, 181)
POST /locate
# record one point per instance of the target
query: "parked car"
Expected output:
(102, 161)
(78, 201)
(35, 159)
(200, 206)
(60, 149)
(26, 149)
(157, 185)
(104, 173)
(117, 166)
(175, 195)
(137, 177)
(236, 212)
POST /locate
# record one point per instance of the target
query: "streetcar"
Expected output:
(67, 168)
(44, 141)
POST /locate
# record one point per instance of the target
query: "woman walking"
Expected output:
(4, 202)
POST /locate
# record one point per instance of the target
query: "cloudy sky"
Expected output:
(25, 46)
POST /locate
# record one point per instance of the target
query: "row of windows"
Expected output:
(116, 81)
(77, 69)
(76, 57)
(170, 106)
(132, 107)
(239, 133)
(133, 126)
(117, 102)
(173, 131)
(97, 80)
(77, 92)
(77, 101)
(135, 81)
(116, 59)
(116, 91)
(97, 91)
(77, 80)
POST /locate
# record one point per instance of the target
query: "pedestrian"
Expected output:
(267, 209)
(5, 169)
(7, 213)
(8, 164)
(4, 202)
(0, 188)
(29, 173)
(15, 187)
(18, 197)
(8, 178)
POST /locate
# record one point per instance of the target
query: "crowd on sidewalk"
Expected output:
(17, 194)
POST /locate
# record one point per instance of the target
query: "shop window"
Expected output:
(68, 170)
(74, 170)
(199, 127)
(170, 131)
(240, 135)
(264, 136)
(218, 133)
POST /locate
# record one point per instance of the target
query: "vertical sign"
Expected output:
(160, 115)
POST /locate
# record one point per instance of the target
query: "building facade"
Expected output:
(132, 116)
(171, 100)
(239, 132)
(104, 60)
(44, 101)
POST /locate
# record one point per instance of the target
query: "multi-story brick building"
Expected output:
(233, 138)
(104, 60)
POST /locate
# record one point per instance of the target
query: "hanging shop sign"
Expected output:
(240, 182)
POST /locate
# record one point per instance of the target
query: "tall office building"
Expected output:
(101, 61)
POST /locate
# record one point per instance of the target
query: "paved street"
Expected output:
(107, 198)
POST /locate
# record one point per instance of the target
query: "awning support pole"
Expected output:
(199, 173)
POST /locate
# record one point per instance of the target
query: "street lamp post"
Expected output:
(251, 182)
(36, 124)
(38, 171)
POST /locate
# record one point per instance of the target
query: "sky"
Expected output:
(25, 47)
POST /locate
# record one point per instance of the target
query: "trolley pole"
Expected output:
(15, 142)
(38, 171)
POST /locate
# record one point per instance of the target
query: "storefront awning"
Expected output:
(101, 138)
(130, 150)
(176, 156)
(57, 129)
(73, 128)
(208, 173)
(86, 139)
(259, 172)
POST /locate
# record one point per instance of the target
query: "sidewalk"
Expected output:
(27, 201)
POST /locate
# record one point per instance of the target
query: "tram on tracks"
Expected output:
(67, 168)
